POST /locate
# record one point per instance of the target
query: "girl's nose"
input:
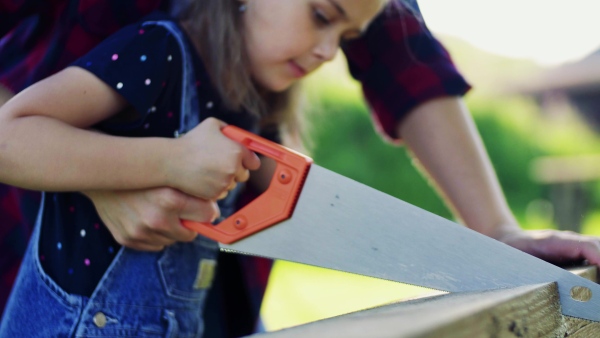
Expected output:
(327, 48)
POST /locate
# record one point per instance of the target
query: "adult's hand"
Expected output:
(558, 247)
(149, 220)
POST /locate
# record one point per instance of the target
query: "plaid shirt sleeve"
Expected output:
(10, 11)
(39, 38)
(401, 65)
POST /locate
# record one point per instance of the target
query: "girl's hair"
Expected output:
(216, 28)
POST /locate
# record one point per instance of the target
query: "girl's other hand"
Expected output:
(149, 220)
(207, 164)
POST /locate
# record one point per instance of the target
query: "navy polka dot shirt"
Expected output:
(143, 64)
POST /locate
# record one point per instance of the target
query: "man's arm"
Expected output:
(442, 135)
(414, 93)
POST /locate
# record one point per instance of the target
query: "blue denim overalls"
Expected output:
(142, 294)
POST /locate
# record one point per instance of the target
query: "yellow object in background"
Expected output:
(299, 294)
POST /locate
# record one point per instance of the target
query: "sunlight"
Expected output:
(549, 32)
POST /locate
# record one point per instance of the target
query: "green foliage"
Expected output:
(513, 131)
(346, 142)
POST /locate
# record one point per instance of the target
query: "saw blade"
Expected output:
(344, 225)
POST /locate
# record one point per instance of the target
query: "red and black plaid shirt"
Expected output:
(399, 63)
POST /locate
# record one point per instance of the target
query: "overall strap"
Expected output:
(189, 106)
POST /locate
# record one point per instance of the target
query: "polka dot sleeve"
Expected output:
(137, 62)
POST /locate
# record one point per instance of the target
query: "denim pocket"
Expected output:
(187, 269)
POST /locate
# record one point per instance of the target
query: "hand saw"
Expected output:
(314, 216)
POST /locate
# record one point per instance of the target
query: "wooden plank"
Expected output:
(527, 311)
(580, 328)
(587, 272)
(513, 312)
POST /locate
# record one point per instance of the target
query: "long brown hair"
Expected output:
(215, 27)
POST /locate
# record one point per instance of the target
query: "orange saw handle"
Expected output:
(274, 205)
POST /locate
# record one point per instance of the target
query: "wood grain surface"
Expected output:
(526, 311)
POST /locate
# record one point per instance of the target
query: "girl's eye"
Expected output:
(320, 18)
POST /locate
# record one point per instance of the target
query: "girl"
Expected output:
(143, 89)
(147, 81)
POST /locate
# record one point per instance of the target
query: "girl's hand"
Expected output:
(207, 164)
(149, 220)
(558, 247)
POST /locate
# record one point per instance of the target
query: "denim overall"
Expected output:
(142, 294)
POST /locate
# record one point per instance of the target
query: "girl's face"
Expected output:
(287, 39)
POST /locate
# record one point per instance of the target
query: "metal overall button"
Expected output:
(99, 319)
